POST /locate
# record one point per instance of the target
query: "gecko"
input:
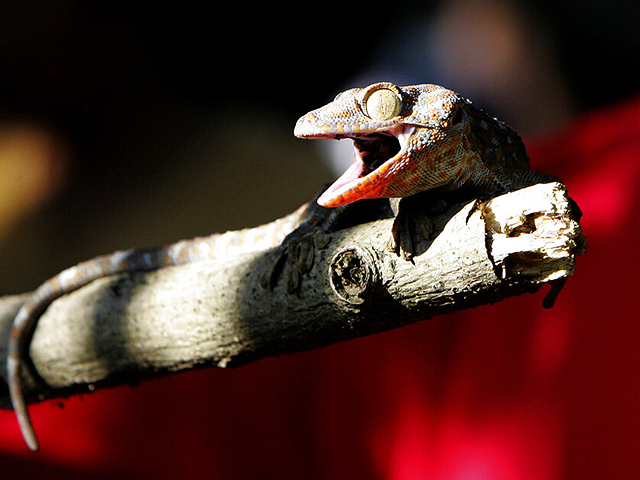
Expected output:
(412, 144)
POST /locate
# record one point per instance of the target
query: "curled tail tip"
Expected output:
(32, 442)
(26, 428)
(19, 404)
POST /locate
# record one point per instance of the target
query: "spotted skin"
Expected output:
(445, 143)
(409, 140)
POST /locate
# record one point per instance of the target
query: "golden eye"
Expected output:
(382, 104)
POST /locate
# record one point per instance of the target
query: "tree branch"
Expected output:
(129, 327)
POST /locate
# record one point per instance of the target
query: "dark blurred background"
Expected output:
(129, 123)
(133, 124)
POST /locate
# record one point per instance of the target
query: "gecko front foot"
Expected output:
(295, 258)
(408, 230)
(296, 254)
(413, 224)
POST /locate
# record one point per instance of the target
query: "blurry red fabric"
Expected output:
(509, 391)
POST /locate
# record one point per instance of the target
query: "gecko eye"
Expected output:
(382, 104)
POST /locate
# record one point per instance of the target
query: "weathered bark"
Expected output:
(129, 327)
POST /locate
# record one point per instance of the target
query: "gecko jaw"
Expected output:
(374, 153)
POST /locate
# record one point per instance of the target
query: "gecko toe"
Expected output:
(409, 231)
(294, 259)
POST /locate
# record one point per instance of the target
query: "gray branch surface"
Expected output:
(126, 328)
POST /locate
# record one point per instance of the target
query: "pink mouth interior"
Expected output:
(360, 180)
(347, 181)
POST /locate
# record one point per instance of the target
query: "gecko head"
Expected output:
(406, 139)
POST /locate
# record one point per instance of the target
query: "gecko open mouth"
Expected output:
(374, 149)
(374, 153)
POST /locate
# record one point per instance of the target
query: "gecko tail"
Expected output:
(14, 368)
